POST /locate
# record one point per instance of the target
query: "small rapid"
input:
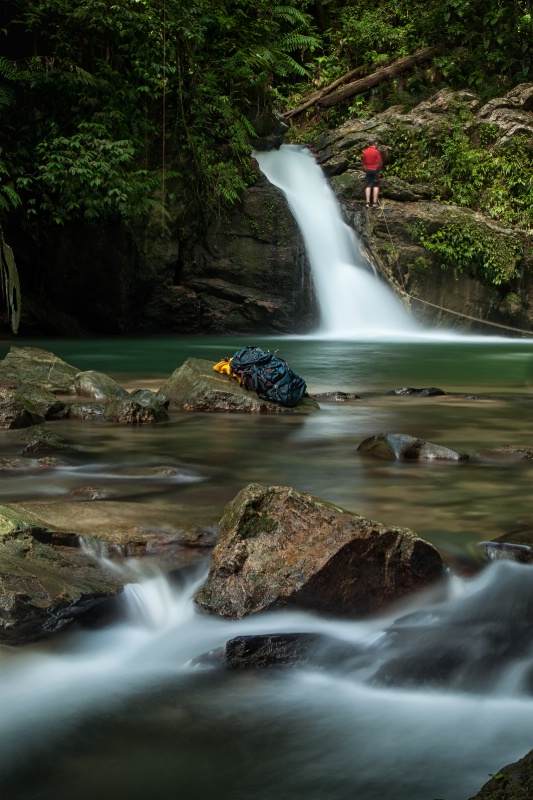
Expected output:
(353, 301)
(419, 707)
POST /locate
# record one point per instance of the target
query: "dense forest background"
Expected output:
(113, 112)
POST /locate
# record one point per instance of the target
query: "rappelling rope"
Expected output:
(434, 305)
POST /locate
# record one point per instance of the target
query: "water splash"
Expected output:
(353, 302)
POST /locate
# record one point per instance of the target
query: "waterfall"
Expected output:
(353, 303)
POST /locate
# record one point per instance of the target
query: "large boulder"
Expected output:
(195, 386)
(40, 368)
(46, 580)
(280, 548)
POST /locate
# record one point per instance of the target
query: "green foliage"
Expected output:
(466, 245)
(131, 89)
(89, 175)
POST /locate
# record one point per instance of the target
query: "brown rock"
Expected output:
(280, 548)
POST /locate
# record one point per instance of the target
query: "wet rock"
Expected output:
(280, 548)
(98, 385)
(195, 386)
(16, 411)
(467, 644)
(132, 412)
(86, 411)
(272, 650)
(510, 453)
(146, 395)
(38, 439)
(46, 403)
(513, 782)
(113, 527)
(40, 368)
(509, 551)
(89, 493)
(43, 587)
(430, 391)
(403, 447)
(12, 464)
(336, 397)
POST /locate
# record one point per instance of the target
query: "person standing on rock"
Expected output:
(372, 162)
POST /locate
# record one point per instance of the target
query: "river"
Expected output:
(125, 712)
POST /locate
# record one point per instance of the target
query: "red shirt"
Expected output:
(371, 158)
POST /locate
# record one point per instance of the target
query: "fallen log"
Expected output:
(376, 78)
(312, 99)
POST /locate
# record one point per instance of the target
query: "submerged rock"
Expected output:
(45, 581)
(40, 368)
(280, 548)
(430, 391)
(38, 439)
(195, 386)
(404, 447)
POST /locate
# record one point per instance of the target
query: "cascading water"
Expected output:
(422, 709)
(353, 303)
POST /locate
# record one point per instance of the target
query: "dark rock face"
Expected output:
(43, 587)
(249, 274)
(196, 386)
(404, 447)
(280, 548)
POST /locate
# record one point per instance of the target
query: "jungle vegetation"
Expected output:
(113, 110)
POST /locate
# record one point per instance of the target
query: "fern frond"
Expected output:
(290, 14)
(7, 97)
(7, 69)
(297, 41)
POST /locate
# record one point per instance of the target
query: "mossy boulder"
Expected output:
(280, 548)
(40, 368)
(46, 580)
(195, 386)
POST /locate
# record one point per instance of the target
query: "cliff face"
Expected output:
(391, 234)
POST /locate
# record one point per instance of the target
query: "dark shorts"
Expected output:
(372, 177)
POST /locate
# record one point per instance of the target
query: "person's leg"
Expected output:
(376, 195)
(368, 195)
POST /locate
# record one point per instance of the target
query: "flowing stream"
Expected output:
(424, 702)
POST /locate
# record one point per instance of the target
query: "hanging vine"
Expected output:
(9, 278)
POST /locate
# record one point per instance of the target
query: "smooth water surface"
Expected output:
(124, 712)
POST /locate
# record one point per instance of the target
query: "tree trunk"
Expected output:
(312, 99)
(382, 75)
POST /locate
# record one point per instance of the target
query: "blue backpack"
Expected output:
(270, 376)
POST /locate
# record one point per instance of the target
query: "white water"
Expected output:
(352, 301)
(327, 731)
